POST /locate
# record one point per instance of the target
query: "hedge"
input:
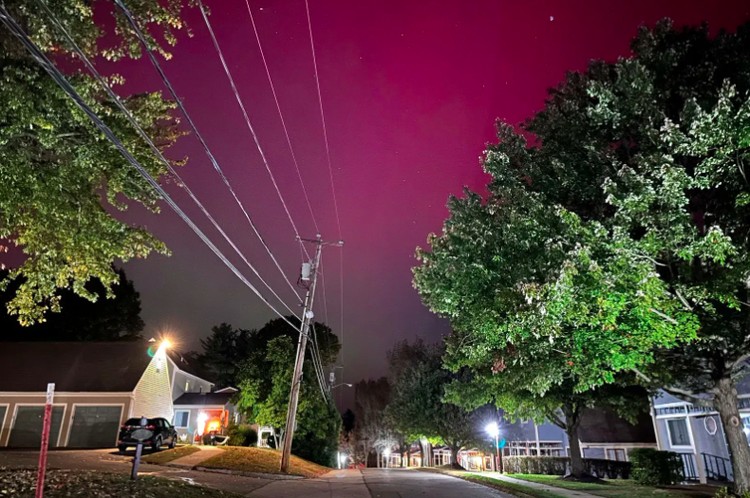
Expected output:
(558, 466)
(656, 468)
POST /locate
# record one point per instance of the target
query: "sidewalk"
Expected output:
(196, 458)
(570, 493)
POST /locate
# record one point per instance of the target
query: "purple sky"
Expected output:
(411, 90)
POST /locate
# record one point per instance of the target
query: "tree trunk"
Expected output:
(725, 403)
(454, 455)
(408, 456)
(572, 421)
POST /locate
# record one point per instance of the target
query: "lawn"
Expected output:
(67, 483)
(249, 459)
(619, 488)
(167, 456)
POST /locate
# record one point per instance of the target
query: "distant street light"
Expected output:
(342, 384)
(494, 431)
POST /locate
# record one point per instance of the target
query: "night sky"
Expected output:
(411, 91)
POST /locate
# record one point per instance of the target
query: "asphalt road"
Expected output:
(370, 483)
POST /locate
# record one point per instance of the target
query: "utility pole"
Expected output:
(309, 272)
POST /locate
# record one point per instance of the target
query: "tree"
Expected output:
(264, 377)
(417, 408)
(114, 319)
(60, 180)
(371, 426)
(223, 352)
(647, 155)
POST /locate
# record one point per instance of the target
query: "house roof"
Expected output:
(213, 399)
(72, 366)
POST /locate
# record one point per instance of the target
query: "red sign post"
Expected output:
(45, 441)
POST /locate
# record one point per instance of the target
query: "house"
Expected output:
(696, 433)
(199, 413)
(98, 385)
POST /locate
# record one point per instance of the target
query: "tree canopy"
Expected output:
(60, 180)
(264, 377)
(614, 232)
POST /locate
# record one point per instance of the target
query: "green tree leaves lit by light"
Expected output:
(60, 180)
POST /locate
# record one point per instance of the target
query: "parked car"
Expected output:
(162, 433)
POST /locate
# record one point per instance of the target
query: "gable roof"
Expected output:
(213, 399)
(72, 366)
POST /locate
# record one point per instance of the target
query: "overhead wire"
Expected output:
(281, 116)
(131, 119)
(330, 176)
(141, 38)
(240, 102)
(65, 85)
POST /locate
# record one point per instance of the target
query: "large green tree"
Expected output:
(644, 159)
(223, 353)
(264, 378)
(60, 180)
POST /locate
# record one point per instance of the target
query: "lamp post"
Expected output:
(494, 431)
(387, 455)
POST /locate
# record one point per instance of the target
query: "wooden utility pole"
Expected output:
(308, 273)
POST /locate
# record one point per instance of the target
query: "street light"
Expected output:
(387, 455)
(494, 431)
(342, 384)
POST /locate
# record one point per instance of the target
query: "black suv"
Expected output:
(162, 433)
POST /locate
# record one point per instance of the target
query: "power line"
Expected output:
(245, 115)
(330, 175)
(60, 79)
(281, 116)
(168, 84)
(115, 98)
(323, 119)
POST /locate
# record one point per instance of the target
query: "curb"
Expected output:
(261, 475)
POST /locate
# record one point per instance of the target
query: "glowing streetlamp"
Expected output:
(494, 431)
(387, 455)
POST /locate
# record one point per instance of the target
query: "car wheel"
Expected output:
(156, 446)
(121, 448)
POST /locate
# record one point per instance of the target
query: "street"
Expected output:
(370, 483)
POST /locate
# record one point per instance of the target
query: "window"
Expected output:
(678, 432)
(181, 418)
(616, 454)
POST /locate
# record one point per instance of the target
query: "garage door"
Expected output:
(94, 427)
(27, 428)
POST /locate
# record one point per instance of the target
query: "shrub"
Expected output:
(656, 468)
(726, 493)
(548, 465)
(610, 469)
(242, 435)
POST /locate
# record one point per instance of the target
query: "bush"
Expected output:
(242, 435)
(656, 468)
(726, 493)
(609, 469)
(548, 465)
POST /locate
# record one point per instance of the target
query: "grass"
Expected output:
(67, 483)
(167, 456)
(263, 460)
(619, 488)
(518, 490)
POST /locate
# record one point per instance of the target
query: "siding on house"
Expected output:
(153, 393)
(183, 380)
